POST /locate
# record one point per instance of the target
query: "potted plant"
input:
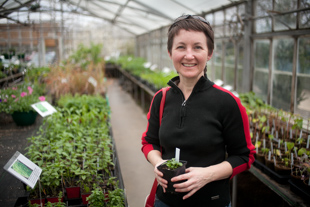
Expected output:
(170, 169)
(17, 101)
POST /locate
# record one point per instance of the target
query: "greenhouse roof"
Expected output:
(135, 16)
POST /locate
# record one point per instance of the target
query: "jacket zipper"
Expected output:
(183, 113)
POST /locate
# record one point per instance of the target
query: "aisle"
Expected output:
(128, 123)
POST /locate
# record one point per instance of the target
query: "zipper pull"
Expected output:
(184, 103)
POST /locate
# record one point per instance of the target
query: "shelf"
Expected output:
(283, 190)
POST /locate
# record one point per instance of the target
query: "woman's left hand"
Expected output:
(196, 178)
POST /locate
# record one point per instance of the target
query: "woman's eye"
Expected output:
(180, 47)
(198, 47)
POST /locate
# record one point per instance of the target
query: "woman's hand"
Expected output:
(159, 176)
(197, 177)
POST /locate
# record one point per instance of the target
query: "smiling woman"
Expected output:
(200, 118)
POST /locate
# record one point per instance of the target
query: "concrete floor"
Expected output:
(128, 123)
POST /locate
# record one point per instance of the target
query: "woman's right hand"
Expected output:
(159, 176)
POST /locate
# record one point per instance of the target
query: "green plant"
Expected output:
(96, 198)
(173, 164)
(116, 198)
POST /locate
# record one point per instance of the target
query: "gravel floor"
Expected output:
(12, 138)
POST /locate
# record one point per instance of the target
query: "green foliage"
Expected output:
(116, 198)
(173, 164)
(84, 55)
(96, 198)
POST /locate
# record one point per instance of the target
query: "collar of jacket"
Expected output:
(202, 84)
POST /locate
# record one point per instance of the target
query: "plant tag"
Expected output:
(83, 163)
(291, 134)
(277, 135)
(264, 143)
(271, 147)
(308, 141)
(177, 154)
(295, 152)
(98, 162)
(285, 146)
(292, 159)
(272, 130)
(279, 143)
(300, 134)
(282, 131)
(274, 160)
(92, 81)
(273, 122)
(256, 136)
(280, 155)
(269, 155)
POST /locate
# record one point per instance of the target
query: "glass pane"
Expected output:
(261, 68)
(217, 55)
(263, 25)
(219, 18)
(285, 5)
(283, 54)
(262, 6)
(218, 31)
(281, 91)
(285, 22)
(229, 64)
(261, 59)
(303, 78)
(304, 21)
(240, 68)
(209, 18)
(260, 83)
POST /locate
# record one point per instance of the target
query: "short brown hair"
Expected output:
(191, 22)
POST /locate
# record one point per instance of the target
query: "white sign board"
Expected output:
(23, 169)
(43, 108)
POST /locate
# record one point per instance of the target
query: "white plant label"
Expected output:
(92, 81)
(308, 143)
(177, 154)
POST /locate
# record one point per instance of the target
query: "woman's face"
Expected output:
(189, 54)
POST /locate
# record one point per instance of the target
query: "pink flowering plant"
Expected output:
(19, 98)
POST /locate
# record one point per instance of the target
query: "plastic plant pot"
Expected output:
(168, 174)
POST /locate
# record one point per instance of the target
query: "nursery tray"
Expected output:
(300, 190)
(282, 179)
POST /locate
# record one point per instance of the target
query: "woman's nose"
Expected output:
(189, 54)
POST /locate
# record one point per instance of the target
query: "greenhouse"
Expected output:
(100, 100)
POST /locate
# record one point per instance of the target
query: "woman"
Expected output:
(207, 123)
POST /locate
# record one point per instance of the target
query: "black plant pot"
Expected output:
(168, 174)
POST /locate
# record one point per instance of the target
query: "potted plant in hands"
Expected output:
(170, 169)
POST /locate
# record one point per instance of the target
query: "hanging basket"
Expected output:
(24, 118)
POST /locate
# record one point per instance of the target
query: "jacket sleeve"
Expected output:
(150, 138)
(236, 132)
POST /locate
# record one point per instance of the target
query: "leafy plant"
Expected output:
(96, 198)
(173, 164)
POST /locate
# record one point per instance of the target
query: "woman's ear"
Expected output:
(169, 54)
(210, 56)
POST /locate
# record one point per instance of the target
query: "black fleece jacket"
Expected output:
(211, 126)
